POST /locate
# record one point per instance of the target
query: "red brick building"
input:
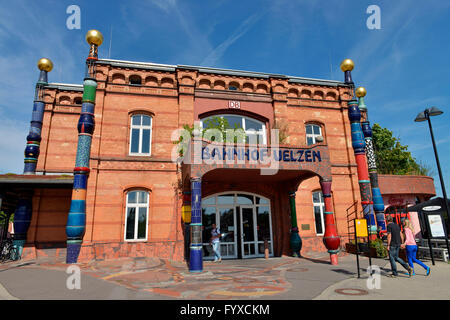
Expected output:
(135, 190)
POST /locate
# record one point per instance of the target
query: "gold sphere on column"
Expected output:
(94, 37)
(361, 92)
(347, 65)
(45, 64)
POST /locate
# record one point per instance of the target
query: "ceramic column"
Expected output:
(76, 220)
(358, 144)
(296, 241)
(330, 237)
(22, 216)
(196, 244)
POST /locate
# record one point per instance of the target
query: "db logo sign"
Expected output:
(234, 105)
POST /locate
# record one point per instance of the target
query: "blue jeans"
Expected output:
(411, 252)
(216, 249)
(393, 257)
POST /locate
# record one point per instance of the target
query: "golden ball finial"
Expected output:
(94, 37)
(45, 64)
(361, 92)
(347, 65)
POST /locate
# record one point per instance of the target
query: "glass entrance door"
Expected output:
(244, 221)
(248, 230)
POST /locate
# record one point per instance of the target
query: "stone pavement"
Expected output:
(273, 279)
(435, 286)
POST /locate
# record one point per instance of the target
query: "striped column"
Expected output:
(296, 241)
(330, 237)
(32, 149)
(186, 217)
(358, 144)
(196, 244)
(22, 216)
(76, 220)
(378, 204)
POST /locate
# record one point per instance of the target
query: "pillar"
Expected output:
(186, 217)
(22, 216)
(296, 241)
(330, 237)
(378, 204)
(358, 144)
(196, 246)
(76, 220)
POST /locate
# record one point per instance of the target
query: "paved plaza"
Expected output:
(284, 278)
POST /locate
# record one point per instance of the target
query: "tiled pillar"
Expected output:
(76, 219)
(330, 238)
(196, 246)
(296, 241)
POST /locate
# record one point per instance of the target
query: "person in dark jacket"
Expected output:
(394, 241)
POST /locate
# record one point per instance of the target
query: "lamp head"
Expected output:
(434, 111)
(420, 117)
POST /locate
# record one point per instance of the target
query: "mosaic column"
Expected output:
(186, 217)
(330, 237)
(378, 204)
(22, 216)
(34, 136)
(76, 220)
(296, 241)
(358, 144)
(196, 246)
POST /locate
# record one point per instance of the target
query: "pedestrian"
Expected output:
(215, 242)
(411, 247)
(394, 241)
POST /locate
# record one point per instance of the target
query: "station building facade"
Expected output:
(136, 195)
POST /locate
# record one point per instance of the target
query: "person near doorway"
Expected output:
(411, 247)
(215, 242)
(394, 241)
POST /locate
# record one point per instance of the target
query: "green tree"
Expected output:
(393, 157)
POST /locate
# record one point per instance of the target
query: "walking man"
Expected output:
(215, 242)
(394, 241)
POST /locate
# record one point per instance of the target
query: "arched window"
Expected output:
(313, 134)
(140, 135)
(135, 80)
(78, 100)
(255, 131)
(319, 209)
(136, 215)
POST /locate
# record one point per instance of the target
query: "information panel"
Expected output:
(436, 225)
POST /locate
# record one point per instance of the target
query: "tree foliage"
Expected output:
(393, 157)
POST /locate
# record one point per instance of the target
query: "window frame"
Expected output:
(262, 132)
(313, 135)
(136, 205)
(141, 128)
(321, 205)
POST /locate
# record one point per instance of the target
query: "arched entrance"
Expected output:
(244, 220)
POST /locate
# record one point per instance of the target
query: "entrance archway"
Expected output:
(244, 220)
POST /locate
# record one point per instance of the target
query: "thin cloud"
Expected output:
(213, 57)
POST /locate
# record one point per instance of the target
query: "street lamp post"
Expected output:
(425, 115)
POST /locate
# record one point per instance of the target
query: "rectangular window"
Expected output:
(140, 135)
(319, 209)
(313, 134)
(136, 221)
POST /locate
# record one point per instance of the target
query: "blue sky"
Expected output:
(404, 66)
